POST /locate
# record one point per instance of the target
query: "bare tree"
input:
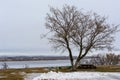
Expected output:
(84, 31)
(112, 59)
(98, 60)
(108, 59)
(5, 65)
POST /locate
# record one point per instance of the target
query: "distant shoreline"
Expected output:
(33, 58)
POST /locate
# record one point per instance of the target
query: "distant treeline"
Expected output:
(33, 58)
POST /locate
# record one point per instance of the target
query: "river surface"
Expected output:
(31, 64)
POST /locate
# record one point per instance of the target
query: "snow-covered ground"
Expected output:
(74, 76)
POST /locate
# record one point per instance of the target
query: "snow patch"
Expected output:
(78, 76)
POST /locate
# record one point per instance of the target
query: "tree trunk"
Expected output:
(71, 58)
(76, 63)
(70, 53)
(79, 57)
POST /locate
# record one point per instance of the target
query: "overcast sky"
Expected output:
(22, 22)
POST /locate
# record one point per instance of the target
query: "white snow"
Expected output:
(76, 76)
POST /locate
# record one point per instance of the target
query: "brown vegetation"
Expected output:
(108, 59)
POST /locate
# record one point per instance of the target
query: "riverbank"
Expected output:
(20, 74)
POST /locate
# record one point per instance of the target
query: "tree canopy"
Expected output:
(73, 28)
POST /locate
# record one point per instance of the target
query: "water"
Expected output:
(31, 64)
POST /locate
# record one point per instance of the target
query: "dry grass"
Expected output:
(108, 68)
(18, 74)
(10, 74)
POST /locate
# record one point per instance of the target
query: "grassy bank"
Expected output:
(18, 74)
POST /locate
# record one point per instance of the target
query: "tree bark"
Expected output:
(78, 60)
(70, 53)
(71, 58)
